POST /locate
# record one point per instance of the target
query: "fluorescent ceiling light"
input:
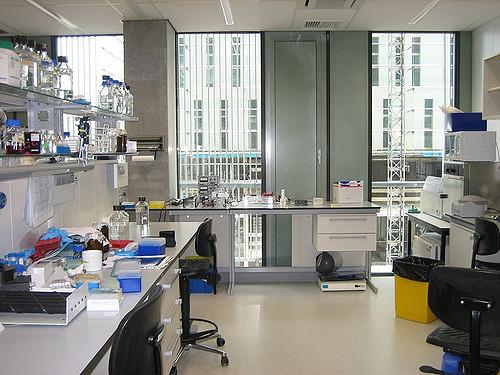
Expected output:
(63, 21)
(226, 10)
(424, 12)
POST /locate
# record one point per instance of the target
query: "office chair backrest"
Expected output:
(487, 238)
(447, 285)
(134, 350)
(204, 243)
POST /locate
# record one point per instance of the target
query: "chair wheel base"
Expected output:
(224, 361)
(220, 341)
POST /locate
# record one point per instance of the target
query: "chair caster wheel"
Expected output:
(224, 361)
(173, 371)
(220, 341)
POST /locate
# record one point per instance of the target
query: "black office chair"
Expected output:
(486, 242)
(202, 267)
(136, 344)
(468, 301)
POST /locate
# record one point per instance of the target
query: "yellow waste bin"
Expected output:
(411, 300)
(411, 285)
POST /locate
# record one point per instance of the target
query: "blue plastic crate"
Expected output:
(200, 286)
(472, 121)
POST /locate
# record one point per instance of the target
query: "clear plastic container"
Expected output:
(118, 224)
(142, 212)
(47, 72)
(65, 78)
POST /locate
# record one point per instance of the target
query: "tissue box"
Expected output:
(347, 192)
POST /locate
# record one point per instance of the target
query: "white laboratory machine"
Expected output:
(471, 146)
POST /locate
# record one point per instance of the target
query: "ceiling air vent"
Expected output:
(320, 25)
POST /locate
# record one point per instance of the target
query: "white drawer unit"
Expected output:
(345, 232)
(171, 317)
(346, 223)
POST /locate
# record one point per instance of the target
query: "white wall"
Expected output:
(93, 199)
(485, 43)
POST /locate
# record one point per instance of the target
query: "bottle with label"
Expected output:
(46, 72)
(29, 67)
(65, 74)
(118, 224)
(103, 92)
(142, 212)
(129, 102)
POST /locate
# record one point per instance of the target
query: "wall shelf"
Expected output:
(491, 87)
(16, 99)
(24, 171)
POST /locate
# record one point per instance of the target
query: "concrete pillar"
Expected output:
(150, 72)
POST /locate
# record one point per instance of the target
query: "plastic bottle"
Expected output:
(142, 211)
(29, 66)
(118, 224)
(46, 72)
(129, 102)
(65, 74)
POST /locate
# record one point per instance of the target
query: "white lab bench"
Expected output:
(80, 346)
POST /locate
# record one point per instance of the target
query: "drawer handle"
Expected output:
(169, 285)
(172, 351)
(176, 304)
(348, 219)
(346, 237)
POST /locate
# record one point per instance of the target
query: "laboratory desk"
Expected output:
(432, 223)
(352, 226)
(80, 346)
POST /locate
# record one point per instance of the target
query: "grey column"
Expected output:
(150, 71)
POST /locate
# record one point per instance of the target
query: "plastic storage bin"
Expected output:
(411, 279)
(130, 276)
(152, 246)
(472, 121)
(200, 286)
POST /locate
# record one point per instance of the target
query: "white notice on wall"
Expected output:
(39, 200)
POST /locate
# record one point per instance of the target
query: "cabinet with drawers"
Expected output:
(171, 317)
(345, 232)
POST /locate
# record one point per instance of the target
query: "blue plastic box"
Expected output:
(472, 121)
(130, 284)
(200, 286)
(152, 246)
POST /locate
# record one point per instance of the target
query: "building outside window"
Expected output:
(219, 123)
(428, 67)
(375, 68)
(91, 57)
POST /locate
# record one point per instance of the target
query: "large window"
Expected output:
(414, 77)
(219, 123)
(91, 57)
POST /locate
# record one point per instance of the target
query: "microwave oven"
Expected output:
(470, 146)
